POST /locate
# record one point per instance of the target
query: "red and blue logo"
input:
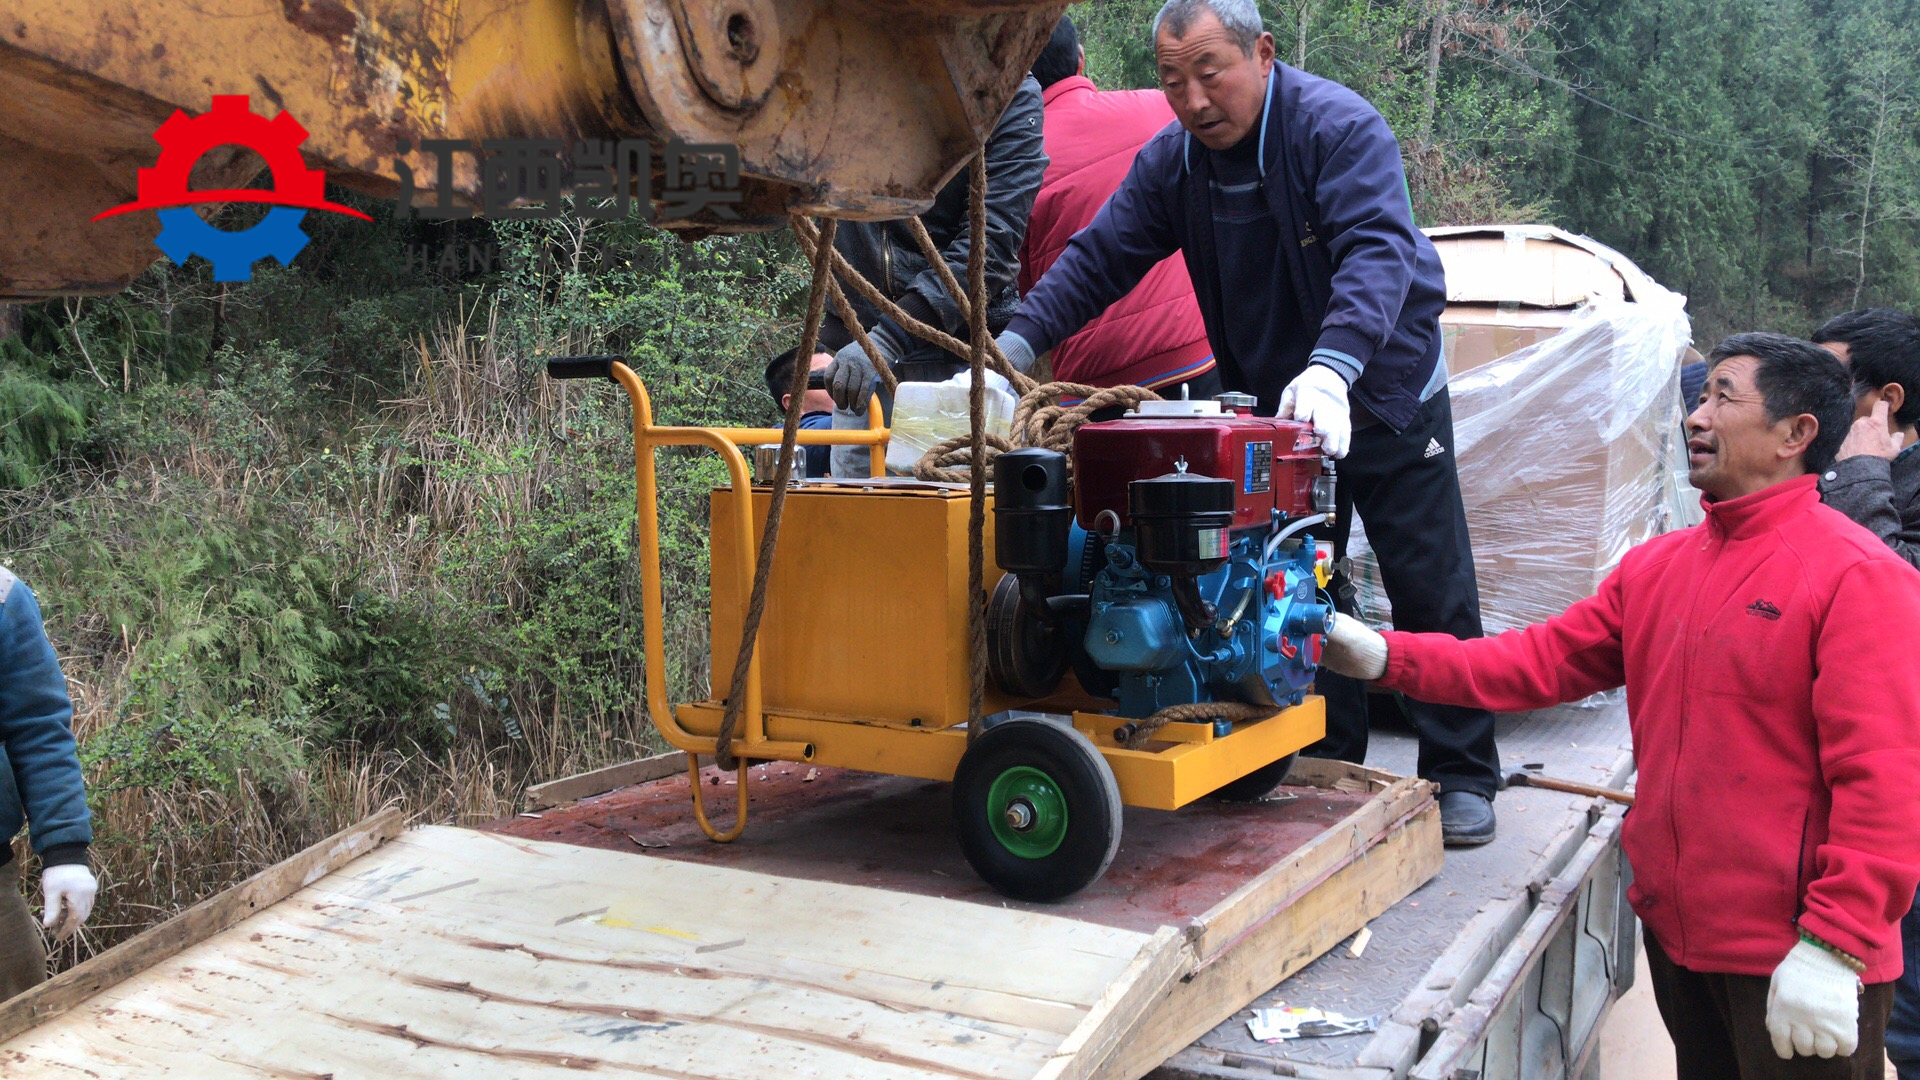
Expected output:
(296, 189)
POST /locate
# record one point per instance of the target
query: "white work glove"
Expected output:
(1319, 397)
(1353, 650)
(1017, 351)
(71, 885)
(1813, 1004)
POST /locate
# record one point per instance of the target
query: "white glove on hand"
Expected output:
(1353, 650)
(73, 884)
(1813, 1005)
(1319, 397)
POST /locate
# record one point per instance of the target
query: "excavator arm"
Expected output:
(850, 109)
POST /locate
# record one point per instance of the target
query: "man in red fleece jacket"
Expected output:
(1774, 692)
(1153, 336)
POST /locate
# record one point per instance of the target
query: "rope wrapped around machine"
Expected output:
(1041, 419)
(1136, 734)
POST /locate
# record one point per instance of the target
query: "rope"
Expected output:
(777, 503)
(976, 452)
(1039, 420)
(1142, 730)
(844, 308)
(911, 325)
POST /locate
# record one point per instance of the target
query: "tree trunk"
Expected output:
(1866, 202)
(1303, 19)
(1436, 30)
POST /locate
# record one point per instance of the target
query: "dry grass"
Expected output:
(160, 849)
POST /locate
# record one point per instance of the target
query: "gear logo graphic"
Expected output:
(296, 189)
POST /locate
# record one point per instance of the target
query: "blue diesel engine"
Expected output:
(1175, 569)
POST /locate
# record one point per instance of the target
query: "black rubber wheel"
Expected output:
(1257, 784)
(1025, 656)
(1037, 809)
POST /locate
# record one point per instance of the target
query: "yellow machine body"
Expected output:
(863, 648)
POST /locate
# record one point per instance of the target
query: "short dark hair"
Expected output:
(1061, 58)
(1883, 346)
(780, 376)
(1797, 377)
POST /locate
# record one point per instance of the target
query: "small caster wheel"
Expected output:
(1257, 784)
(1037, 809)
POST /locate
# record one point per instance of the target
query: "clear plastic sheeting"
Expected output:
(1570, 452)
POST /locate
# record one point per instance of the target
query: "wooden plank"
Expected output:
(610, 778)
(1113, 1018)
(1305, 869)
(454, 951)
(1281, 946)
(1340, 775)
(194, 925)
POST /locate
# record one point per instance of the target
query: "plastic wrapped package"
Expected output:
(926, 414)
(1570, 452)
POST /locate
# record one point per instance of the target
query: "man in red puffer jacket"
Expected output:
(1774, 692)
(1153, 337)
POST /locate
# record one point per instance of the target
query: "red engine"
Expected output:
(1273, 463)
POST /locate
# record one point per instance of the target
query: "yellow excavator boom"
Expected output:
(851, 109)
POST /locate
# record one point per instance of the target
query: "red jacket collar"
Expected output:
(1071, 82)
(1764, 510)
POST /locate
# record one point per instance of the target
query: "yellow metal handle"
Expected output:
(753, 741)
(700, 806)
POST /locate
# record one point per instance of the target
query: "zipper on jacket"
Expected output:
(1692, 631)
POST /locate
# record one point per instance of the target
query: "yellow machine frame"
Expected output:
(1188, 760)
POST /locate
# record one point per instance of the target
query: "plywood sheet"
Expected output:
(455, 951)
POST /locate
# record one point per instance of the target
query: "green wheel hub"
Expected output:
(1027, 812)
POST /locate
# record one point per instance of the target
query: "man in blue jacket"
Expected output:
(40, 786)
(1286, 195)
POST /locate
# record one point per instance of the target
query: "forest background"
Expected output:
(327, 540)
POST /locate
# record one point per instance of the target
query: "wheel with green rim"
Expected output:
(1257, 784)
(1037, 809)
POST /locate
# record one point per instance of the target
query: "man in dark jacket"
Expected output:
(885, 253)
(1876, 478)
(40, 786)
(1876, 482)
(1286, 195)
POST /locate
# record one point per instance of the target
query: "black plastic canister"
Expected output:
(1181, 522)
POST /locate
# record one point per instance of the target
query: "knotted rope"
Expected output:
(1140, 731)
(1040, 419)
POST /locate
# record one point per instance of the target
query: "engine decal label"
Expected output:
(1212, 542)
(1259, 475)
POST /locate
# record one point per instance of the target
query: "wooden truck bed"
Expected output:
(843, 937)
